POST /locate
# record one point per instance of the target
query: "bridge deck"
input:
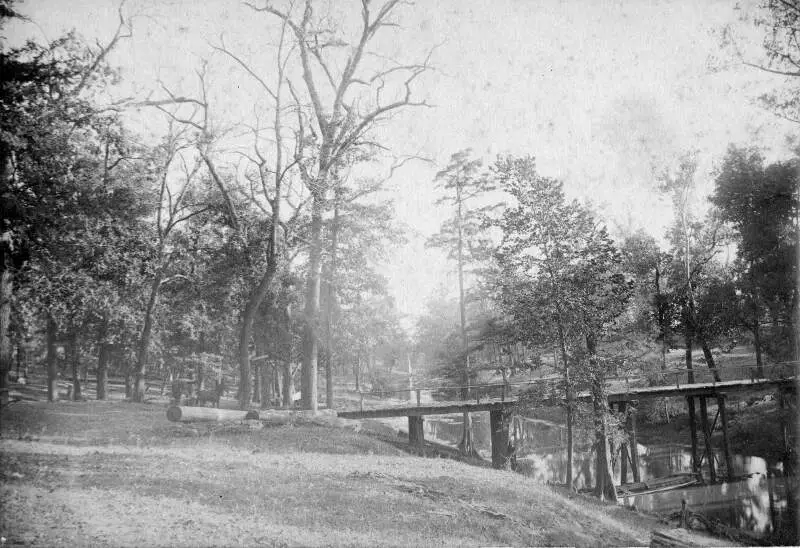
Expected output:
(615, 394)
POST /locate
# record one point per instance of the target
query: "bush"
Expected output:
(661, 410)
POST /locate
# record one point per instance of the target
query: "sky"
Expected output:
(600, 92)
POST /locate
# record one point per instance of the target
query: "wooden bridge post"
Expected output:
(707, 437)
(693, 433)
(623, 450)
(498, 422)
(416, 431)
(726, 444)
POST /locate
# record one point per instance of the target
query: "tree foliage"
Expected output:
(760, 202)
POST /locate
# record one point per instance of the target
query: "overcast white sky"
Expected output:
(598, 91)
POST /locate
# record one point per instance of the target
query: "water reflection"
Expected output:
(762, 502)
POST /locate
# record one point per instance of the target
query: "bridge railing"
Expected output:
(484, 392)
(682, 376)
(420, 395)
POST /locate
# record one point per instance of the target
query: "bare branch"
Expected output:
(161, 102)
(223, 49)
(104, 51)
(193, 214)
(771, 70)
(225, 194)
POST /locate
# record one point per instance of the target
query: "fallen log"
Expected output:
(178, 413)
(685, 539)
(675, 539)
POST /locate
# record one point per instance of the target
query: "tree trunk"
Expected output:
(75, 362)
(8, 178)
(688, 339)
(795, 322)
(52, 360)
(357, 371)
(128, 382)
(22, 358)
(757, 342)
(604, 483)
(570, 397)
(259, 386)
(286, 338)
(308, 380)
(709, 358)
(330, 300)
(144, 340)
(462, 306)
(246, 332)
(663, 324)
(328, 378)
(268, 384)
(467, 445)
(277, 384)
(755, 325)
(288, 385)
(410, 377)
(6, 290)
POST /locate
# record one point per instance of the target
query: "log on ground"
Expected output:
(178, 413)
(685, 539)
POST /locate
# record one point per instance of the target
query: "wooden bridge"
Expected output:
(621, 394)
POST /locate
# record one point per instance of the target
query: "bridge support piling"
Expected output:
(629, 451)
(634, 443)
(726, 444)
(416, 431)
(707, 437)
(501, 453)
(693, 434)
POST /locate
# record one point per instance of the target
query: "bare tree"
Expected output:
(344, 105)
(695, 248)
(173, 207)
(270, 174)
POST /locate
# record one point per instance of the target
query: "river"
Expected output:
(760, 502)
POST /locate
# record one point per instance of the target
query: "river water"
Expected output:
(759, 503)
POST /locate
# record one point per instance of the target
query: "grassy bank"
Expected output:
(91, 473)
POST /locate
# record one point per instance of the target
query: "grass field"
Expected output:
(119, 474)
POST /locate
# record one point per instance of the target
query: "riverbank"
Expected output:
(102, 474)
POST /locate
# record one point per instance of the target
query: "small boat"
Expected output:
(655, 485)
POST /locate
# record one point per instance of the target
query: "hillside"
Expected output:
(119, 474)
